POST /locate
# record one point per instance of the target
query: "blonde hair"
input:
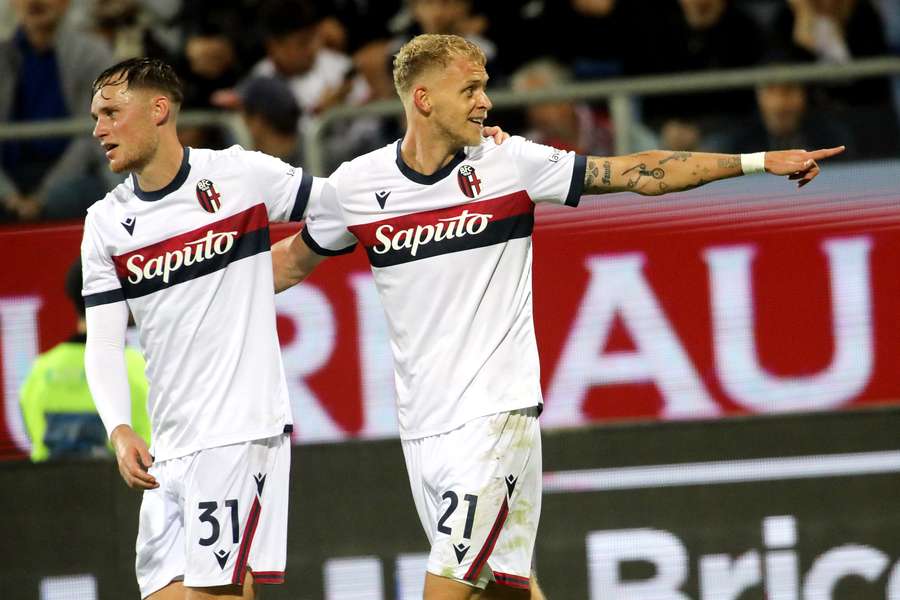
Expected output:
(431, 50)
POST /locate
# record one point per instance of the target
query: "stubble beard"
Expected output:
(143, 154)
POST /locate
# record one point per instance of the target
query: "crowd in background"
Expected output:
(282, 62)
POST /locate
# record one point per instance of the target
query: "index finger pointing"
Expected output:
(826, 152)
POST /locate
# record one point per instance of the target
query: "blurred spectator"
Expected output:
(209, 67)
(128, 27)
(348, 25)
(271, 114)
(56, 403)
(706, 35)
(786, 122)
(239, 18)
(46, 72)
(569, 125)
(318, 77)
(210, 60)
(836, 31)
(600, 38)
(422, 16)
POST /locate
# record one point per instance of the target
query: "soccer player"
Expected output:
(446, 219)
(184, 244)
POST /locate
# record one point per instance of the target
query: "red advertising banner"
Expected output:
(695, 305)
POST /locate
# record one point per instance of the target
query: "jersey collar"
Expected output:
(417, 177)
(176, 183)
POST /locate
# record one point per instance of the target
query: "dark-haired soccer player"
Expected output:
(446, 219)
(184, 244)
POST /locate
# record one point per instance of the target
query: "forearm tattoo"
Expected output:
(591, 174)
(730, 163)
(639, 171)
(682, 156)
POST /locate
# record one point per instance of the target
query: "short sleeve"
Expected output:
(549, 174)
(286, 189)
(326, 231)
(100, 284)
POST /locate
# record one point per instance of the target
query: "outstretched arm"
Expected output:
(292, 262)
(659, 172)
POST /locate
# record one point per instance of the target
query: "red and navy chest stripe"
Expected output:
(421, 235)
(194, 253)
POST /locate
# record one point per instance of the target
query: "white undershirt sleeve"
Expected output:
(104, 363)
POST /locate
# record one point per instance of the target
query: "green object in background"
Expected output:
(59, 411)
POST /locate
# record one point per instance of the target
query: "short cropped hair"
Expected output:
(143, 73)
(431, 50)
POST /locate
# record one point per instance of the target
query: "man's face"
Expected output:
(40, 14)
(440, 16)
(702, 14)
(294, 53)
(125, 126)
(459, 101)
(782, 107)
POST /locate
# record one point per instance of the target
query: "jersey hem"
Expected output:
(416, 435)
(216, 443)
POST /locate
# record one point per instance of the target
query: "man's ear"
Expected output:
(161, 109)
(422, 99)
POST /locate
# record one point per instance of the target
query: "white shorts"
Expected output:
(216, 514)
(477, 490)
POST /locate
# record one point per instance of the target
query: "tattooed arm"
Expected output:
(658, 172)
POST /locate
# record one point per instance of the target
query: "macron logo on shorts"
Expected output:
(194, 253)
(433, 233)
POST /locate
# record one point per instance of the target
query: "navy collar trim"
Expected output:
(417, 177)
(176, 183)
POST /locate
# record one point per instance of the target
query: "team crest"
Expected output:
(208, 197)
(468, 181)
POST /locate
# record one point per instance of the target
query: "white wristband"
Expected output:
(753, 163)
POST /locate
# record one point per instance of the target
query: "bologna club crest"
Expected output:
(207, 196)
(468, 181)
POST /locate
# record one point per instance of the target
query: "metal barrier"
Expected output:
(229, 121)
(619, 92)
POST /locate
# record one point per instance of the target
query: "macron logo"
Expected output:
(129, 224)
(382, 198)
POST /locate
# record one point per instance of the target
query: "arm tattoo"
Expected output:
(592, 174)
(730, 162)
(606, 173)
(682, 156)
(642, 171)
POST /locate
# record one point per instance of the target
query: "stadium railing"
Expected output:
(620, 93)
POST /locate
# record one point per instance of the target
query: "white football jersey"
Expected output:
(192, 261)
(451, 258)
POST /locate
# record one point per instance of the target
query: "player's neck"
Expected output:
(162, 169)
(425, 153)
